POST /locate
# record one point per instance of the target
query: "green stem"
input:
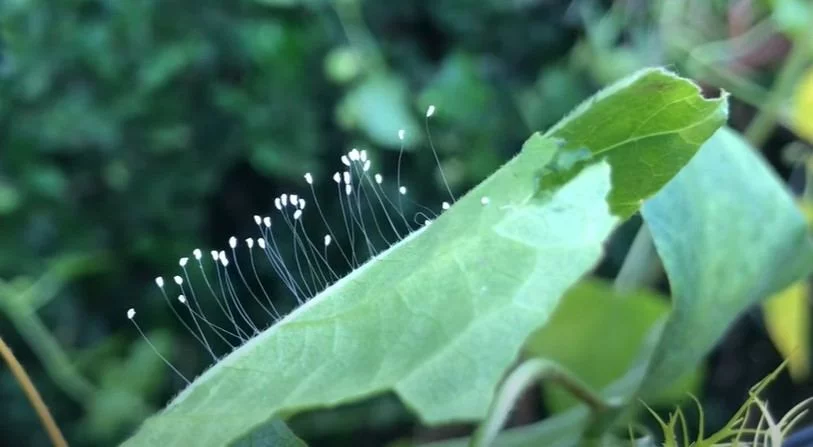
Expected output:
(19, 307)
(740, 87)
(722, 51)
(763, 124)
(807, 193)
(513, 386)
(641, 266)
(56, 362)
(358, 35)
(709, 60)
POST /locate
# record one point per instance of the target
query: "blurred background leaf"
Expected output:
(597, 333)
(803, 107)
(710, 287)
(788, 323)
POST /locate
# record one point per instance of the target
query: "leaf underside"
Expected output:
(729, 235)
(440, 316)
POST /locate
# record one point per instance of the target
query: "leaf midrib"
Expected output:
(626, 141)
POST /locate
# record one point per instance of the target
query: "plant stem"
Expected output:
(764, 122)
(358, 35)
(513, 386)
(709, 60)
(807, 192)
(640, 265)
(53, 357)
(33, 395)
(42, 342)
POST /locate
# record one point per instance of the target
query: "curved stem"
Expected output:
(358, 35)
(763, 124)
(33, 395)
(523, 376)
(641, 266)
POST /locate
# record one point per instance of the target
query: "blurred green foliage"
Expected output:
(132, 132)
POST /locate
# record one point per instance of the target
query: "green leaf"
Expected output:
(169, 62)
(729, 235)
(518, 380)
(273, 434)
(379, 107)
(466, 97)
(596, 334)
(9, 199)
(343, 64)
(793, 16)
(646, 153)
(440, 316)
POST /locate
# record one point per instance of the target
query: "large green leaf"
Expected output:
(597, 333)
(647, 135)
(729, 235)
(440, 316)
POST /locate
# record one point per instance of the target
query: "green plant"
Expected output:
(440, 316)
(737, 431)
(135, 131)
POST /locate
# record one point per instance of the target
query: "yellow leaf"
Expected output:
(807, 211)
(788, 321)
(787, 315)
(803, 107)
